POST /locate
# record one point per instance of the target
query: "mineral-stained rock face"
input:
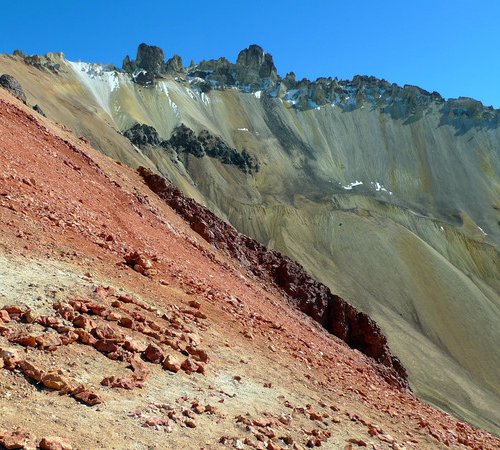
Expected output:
(12, 85)
(308, 295)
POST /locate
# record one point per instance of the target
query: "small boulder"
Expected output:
(54, 443)
(48, 341)
(54, 380)
(31, 371)
(86, 396)
(171, 363)
(39, 110)
(84, 322)
(154, 354)
(17, 439)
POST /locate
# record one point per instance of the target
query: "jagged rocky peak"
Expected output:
(254, 70)
(150, 64)
(49, 61)
(150, 58)
(251, 57)
(254, 60)
(174, 65)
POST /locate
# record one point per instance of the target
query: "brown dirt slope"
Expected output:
(121, 328)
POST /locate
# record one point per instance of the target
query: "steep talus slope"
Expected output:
(121, 328)
(387, 195)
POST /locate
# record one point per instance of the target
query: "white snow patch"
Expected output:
(99, 82)
(352, 184)
(482, 231)
(162, 87)
(205, 99)
(257, 94)
(174, 107)
(380, 187)
(190, 93)
(242, 129)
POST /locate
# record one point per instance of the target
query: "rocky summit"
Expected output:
(219, 256)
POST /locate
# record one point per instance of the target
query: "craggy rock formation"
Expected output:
(254, 61)
(253, 70)
(148, 65)
(142, 134)
(184, 140)
(308, 295)
(40, 62)
(12, 85)
(174, 65)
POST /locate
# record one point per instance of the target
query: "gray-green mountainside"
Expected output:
(389, 195)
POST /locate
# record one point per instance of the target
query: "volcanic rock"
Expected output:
(86, 396)
(174, 65)
(13, 86)
(30, 370)
(254, 64)
(141, 135)
(148, 65)
(39, 110)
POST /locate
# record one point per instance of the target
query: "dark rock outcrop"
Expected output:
(174, 65)
(142, 134)
(254, 69)
(184, 141)
(254, 59)
(39, 110)
(148, 65)
(150, 58)
(355, 328)
(13, 86)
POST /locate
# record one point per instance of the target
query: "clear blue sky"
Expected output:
(451, 46)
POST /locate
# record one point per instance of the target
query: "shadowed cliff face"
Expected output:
(388, 195)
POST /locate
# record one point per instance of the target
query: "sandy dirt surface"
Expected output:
(177, 348)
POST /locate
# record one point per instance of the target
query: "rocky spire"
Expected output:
(254, 59)
(150, 62)
(174, 65)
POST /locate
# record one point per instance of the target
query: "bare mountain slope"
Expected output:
(83, 333)
(387, 195)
